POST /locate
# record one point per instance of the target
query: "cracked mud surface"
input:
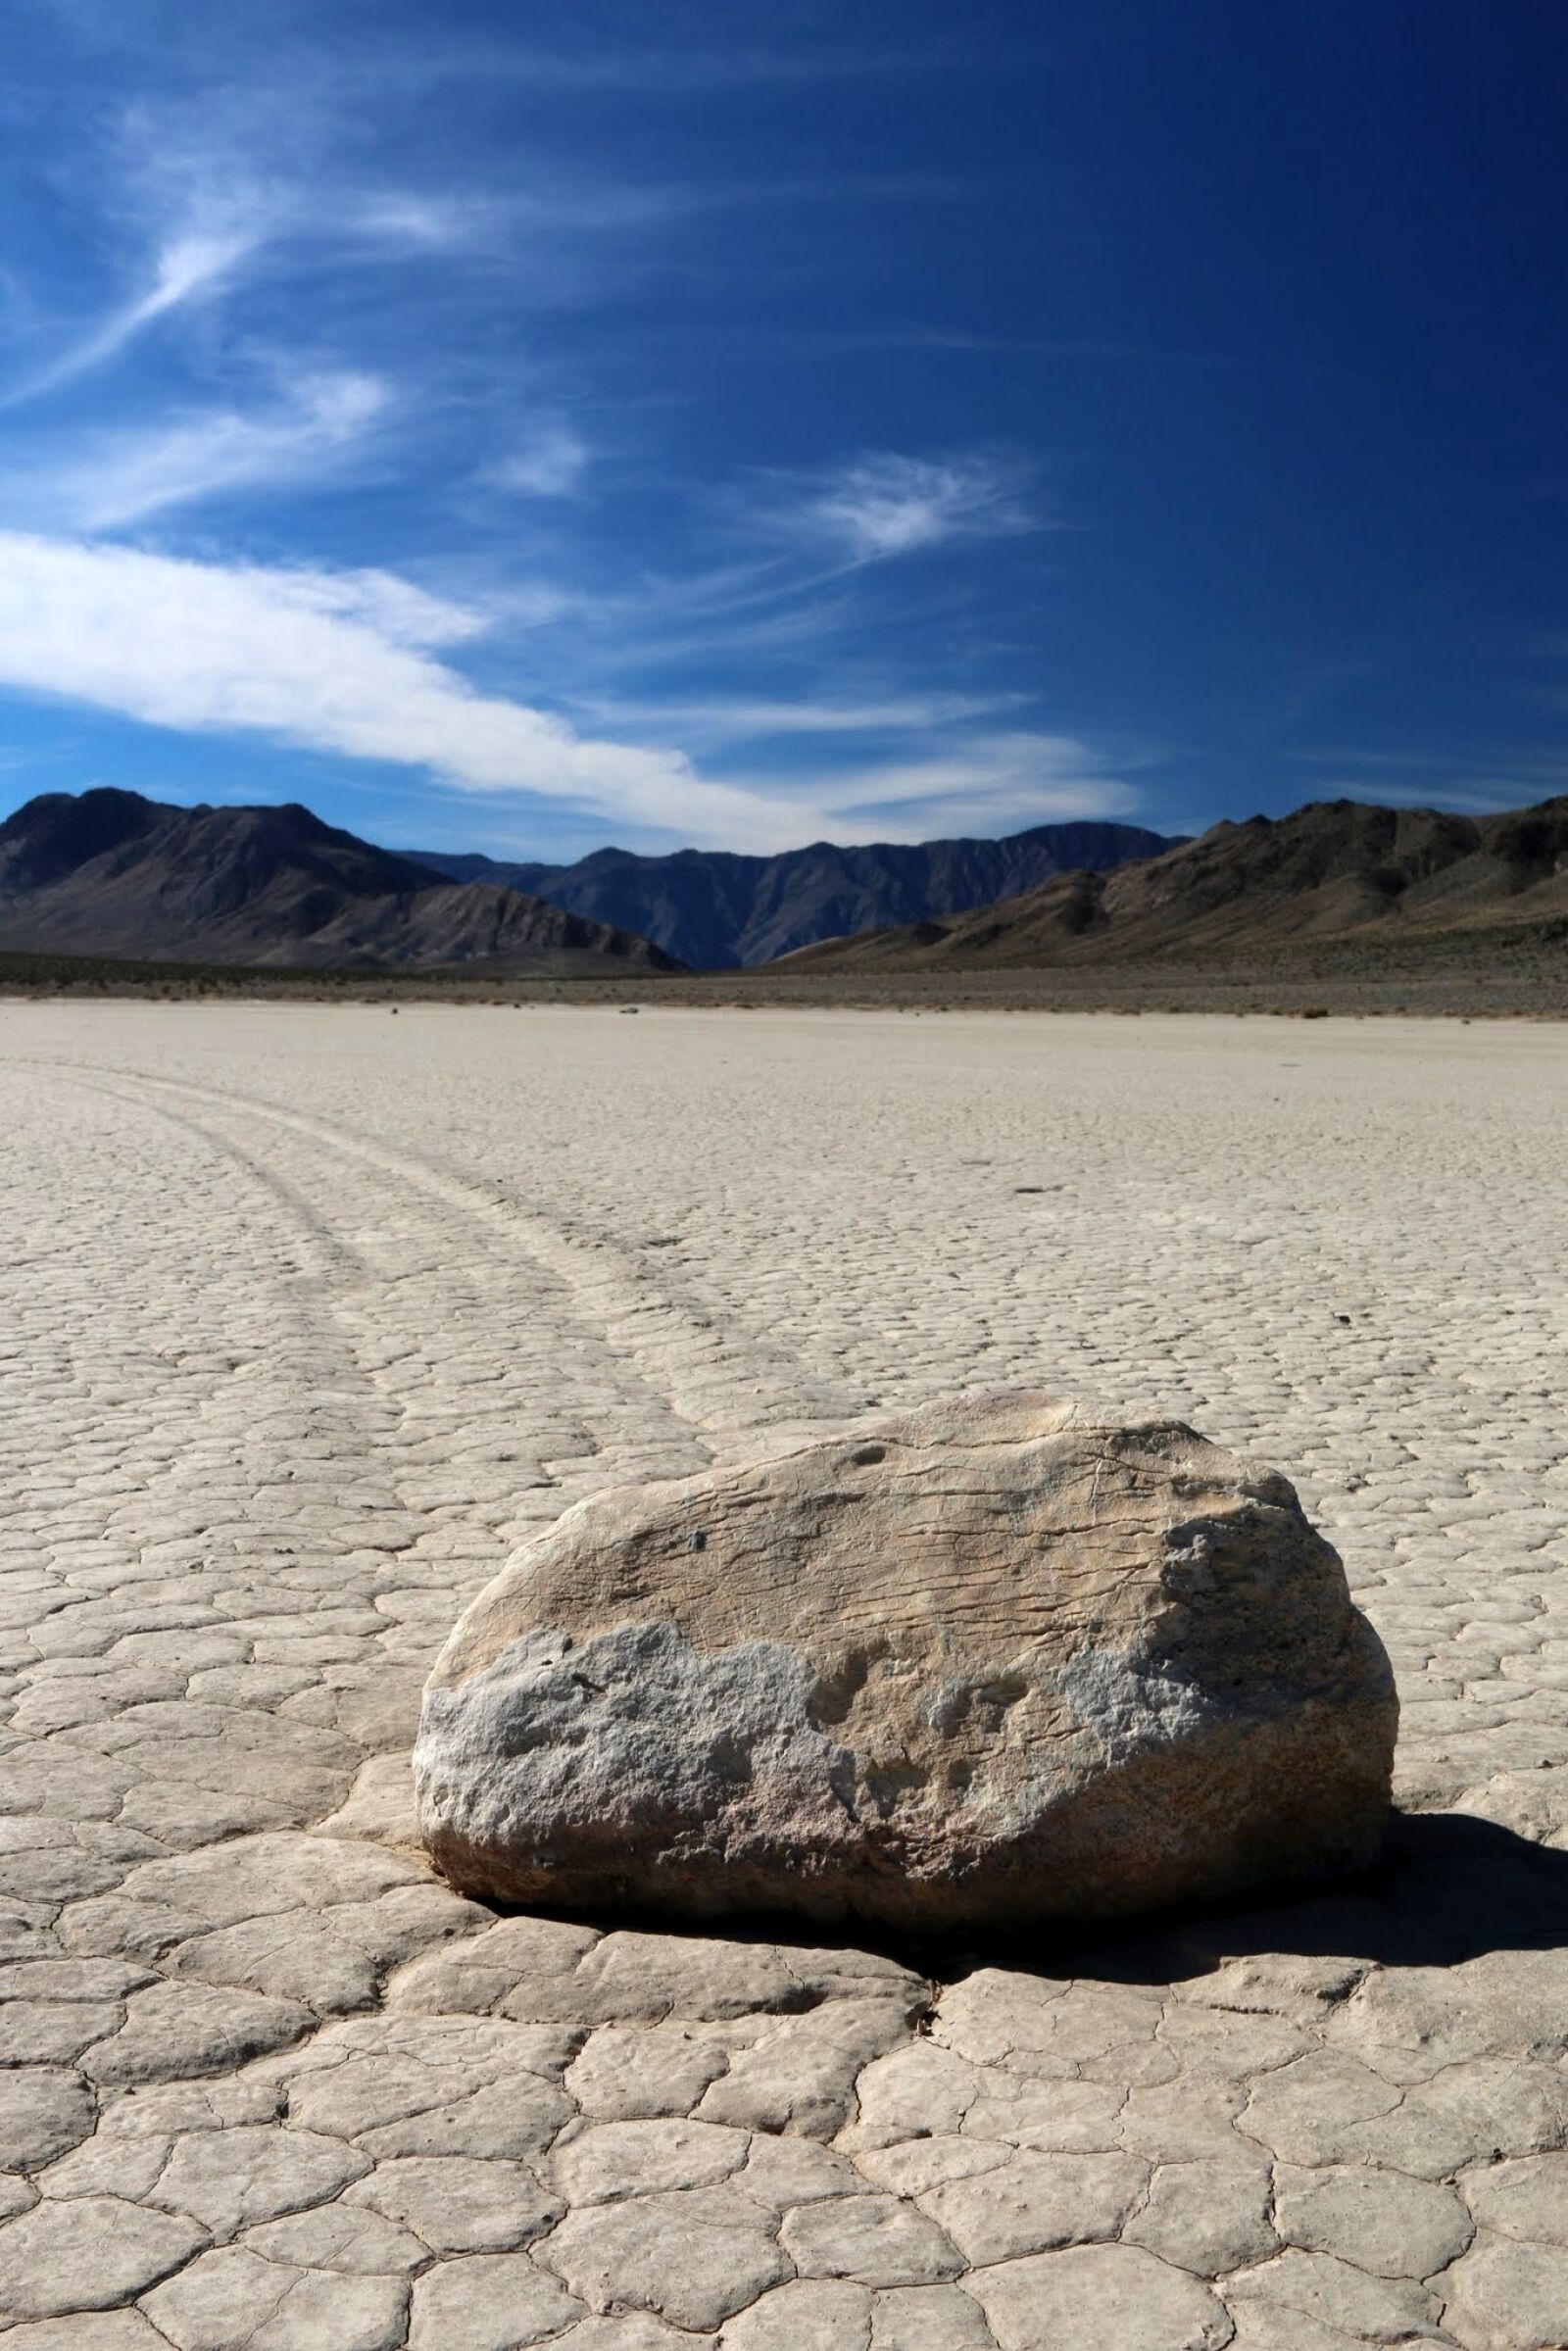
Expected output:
(309, 1315)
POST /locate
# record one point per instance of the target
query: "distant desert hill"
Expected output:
(1335, 873)
(110, 873)
(714, 910)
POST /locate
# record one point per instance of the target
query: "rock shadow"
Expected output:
(1448, 1887)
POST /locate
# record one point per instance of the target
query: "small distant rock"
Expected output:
(989, 1661)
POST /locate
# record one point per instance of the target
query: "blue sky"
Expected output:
(525, 426)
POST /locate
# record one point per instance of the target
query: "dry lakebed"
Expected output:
(310, 1315)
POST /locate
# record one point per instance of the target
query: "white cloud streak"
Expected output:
(119, 477)
(743, 718)
(310, 659)
(249, 181)
(190, 265)
(987, 783)
(885, 505)
(346, 663)
(408, 221)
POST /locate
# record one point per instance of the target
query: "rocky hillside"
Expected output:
(713, 909)
(1337, 872)
(110, 873)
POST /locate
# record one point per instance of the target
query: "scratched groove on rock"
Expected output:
(308, 1316)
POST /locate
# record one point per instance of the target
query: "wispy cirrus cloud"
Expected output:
(550, 462)
(885, 504)
(114, 478)
(721, 720)
(191, 265)
(263, 178)
(410, 220)
(988, 782)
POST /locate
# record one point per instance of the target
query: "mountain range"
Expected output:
(714, 910)
(1337, 873)
(110, 873)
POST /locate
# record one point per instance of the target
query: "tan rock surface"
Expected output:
(989, 1662)
(308, 1318)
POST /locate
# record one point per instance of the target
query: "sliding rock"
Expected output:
(990, 1661)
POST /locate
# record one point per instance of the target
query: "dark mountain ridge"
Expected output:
(714, 908)
(1339, 874)
(110, 873)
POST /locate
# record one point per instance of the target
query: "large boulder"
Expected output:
(990, 1661)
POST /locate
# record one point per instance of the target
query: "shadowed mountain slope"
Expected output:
(1335, 873)
(108, 874)
(713, 909)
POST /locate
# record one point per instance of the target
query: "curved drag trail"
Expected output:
(310, 1316)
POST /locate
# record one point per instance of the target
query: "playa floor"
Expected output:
(309, 1315)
